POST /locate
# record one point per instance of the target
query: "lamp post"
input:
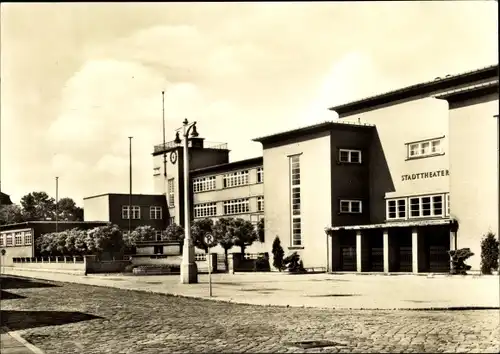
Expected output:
(189, 271)
(57, 202)
(498, 168)
(130, 185)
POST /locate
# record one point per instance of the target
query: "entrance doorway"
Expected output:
(435, 243)
(347, 244)
(400, 250)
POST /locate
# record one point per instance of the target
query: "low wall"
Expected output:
(68, 264)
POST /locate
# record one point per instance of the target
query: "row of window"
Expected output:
(16, 239)
(437, 205)
(232, 179)
(235, 206)
(424, 148)
(295, 200)
(134, 212)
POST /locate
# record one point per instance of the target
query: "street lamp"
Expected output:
(189, 271)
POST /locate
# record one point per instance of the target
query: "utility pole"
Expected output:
(130, 186)
(57, 202)
(164, 147)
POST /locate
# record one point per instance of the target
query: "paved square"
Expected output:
(76, 318)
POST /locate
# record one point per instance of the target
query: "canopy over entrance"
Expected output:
(414, 223)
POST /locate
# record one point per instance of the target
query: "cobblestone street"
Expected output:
(73, 318)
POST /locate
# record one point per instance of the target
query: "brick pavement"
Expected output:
(77, 318)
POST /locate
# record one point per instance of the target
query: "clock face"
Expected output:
(173, 157)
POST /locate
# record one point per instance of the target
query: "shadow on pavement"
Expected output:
(5, 295)
(19, 320)
(21, 283)
(332, 295)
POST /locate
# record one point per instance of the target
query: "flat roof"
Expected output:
(133, 195)
(38, 222)
(393, 225)
(438, 84)
(254, 161)
(311, 129)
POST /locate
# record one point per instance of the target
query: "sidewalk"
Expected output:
(12, 343)
(341, 291)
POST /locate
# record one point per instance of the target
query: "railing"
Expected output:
(49, 259)
(206, 145)
(199, 257)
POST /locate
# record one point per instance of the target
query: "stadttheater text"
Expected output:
(424, 175)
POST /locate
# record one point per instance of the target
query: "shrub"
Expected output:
(489, 253)
(278, 254)
(262, 264)
(129, 268)
(458, 259)
(294, 264)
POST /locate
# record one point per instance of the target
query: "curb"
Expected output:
(17, 336)
(232, 301)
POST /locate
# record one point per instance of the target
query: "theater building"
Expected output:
(398, 180)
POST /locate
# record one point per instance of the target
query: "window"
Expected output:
(205, 210)
(18, 239)
(204, 184)
(426, 206)
(8, 240)
(171, 195)
(158, 235)
(1, 240)
(424, 148)
(172, 220)
(155, 212)
(234, 179)
(396, 209)
(136, 212)
(236, 206)
(350, 206)
(260, 203)
(448, 204)
(260, 175)
(156, 171)
(28, 238)
(349, 156)
(295, 200)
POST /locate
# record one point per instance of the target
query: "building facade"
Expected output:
(18, 240)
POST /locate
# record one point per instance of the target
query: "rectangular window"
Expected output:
(171, 193)
(350, 206)
(236, 206)
(426, 206)
(9, 241)
(260, 175)
(158, 235)
(260, 203)
(2, 243)
(295, 200)
(205, 210)
(172, 220)
(233, 179)
(156, 171)
(136, 212)
(424, 148)
(19, 238)
(396, 209)
(204, 184)
(349, 156)
(448, 204)
(155, 212)
(28, 238)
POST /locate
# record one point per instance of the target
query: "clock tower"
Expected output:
(168, 170)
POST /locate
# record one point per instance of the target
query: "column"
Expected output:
(386, 250)
(358, 251)
(453, 244)
(414, 250)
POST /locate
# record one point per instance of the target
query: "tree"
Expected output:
(174, 233)
(278, 254)
(244, 233)
(489, 253)
(10, 214)
(199, 230)
(105, 241)
(261, 230)
(38, 206)
(67, 210)
(294, 263)
(59, 240)
(223, 235)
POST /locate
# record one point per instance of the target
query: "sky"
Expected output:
(78, 79)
